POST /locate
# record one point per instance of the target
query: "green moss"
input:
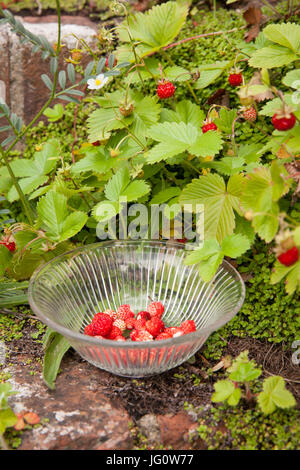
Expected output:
(225, 428)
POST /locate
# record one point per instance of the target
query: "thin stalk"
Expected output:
(26, 205)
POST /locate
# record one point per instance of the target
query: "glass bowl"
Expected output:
(66, 292)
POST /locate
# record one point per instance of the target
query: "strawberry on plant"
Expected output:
(283, 119)
(9, 243)
(235, 78)
(165, 89)
(250, 114)
(156, 309)
(289, 257)
(208, 126)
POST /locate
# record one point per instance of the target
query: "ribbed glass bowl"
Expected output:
(66, 293)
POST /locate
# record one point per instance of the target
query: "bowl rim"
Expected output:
(69, 334)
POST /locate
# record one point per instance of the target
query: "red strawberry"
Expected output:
(114, 332)
(119, 323)
(283, 121)
(124, 312)
(156, 309)
(134, 334)
(250, 114)
(155, 326)
(188, 326)
(102, 324)
(143, 335)
(96, 143)
(165, 89)
(235, 79)
(120, 338)
(11, 246)
(139, 324)
(174, 331)
(143, 315)
(130, 323)
(209, 126)
(111, 313)
(289, 257)
(164, 335)
(89, 330)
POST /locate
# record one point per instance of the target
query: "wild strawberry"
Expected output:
(114, 332)
(209, 126)
(130, 323)
(155, 326)
(102, 324)
(89, 330)
(250, 114)
(120, 324)
(11, 246)
(133, 335)
(111, 313)
(164, 335)
(120, 338)
(143, 315)
(283, 120)
(188, 326)
(96, 143)
(165, 89)
(174, 331)
(289, 257)
(124, 311)
(140, 324)
(31, 418)
(143, 335)
(156, 309)
(181, 240)
(235, 79)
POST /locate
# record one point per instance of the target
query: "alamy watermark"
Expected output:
(296, 354)
(152, 222)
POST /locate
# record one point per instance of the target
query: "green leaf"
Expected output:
(292, 79)
(146, 113)
(13, 293)
(102, 121)
(165, 195)
(55, 113)
(208, 144)
(95, 161)
(285, 34)
(218, 201)
(225, 121)
(245, 372)
(47, 81)
(274, 395)
(151, 30)
(56, 346)
(5, 258)
(7, 419)
(62, 78)
(117, 184)
(135, 190)
(225, 390)
(53, 212)
(235, 245)
(5, 392)
(272, 56)
(210, 72)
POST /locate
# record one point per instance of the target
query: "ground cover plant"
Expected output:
(152, 126)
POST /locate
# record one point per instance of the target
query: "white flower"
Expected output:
(97, 83)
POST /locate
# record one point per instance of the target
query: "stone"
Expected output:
(175, 429)
(20, 84)
(79, 416)
(149, 427)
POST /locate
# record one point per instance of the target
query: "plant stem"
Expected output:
(26, 205)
